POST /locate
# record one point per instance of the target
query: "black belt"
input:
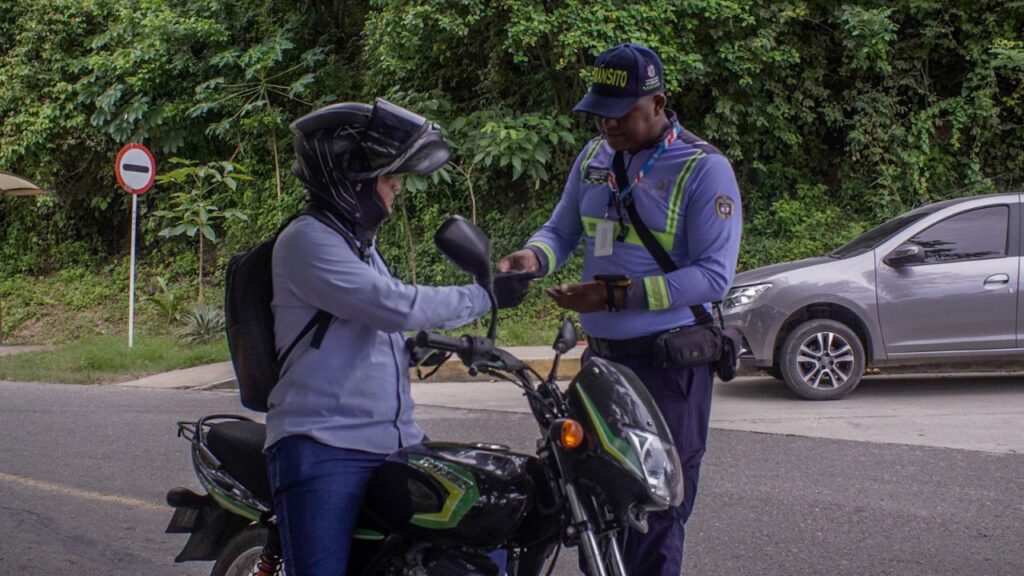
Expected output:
(608, 348)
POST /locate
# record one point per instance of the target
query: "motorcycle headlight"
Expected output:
(744, 295)
(660, 467)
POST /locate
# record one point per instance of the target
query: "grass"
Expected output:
(106, 359)
(84, 313)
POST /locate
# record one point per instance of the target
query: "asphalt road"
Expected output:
(84, 470)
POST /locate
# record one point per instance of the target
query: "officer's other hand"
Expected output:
(583, 298)
(510, 288)
(519, 261)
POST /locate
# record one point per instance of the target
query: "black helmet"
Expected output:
(341, 149)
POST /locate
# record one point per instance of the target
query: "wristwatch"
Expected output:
(611, 283)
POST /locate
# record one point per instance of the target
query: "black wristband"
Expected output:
(611, 282)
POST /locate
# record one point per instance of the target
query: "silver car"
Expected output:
(936, 284)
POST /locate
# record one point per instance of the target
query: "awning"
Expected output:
(11, 185)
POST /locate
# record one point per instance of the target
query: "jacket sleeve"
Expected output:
(558, 237)
(713, 222)
(320, 269)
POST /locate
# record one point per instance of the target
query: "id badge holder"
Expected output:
(604, 238)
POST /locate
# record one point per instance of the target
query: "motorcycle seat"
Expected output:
(238, 444)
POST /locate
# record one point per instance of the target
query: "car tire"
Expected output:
(822, 360)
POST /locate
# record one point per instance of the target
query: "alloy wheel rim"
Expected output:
(825, 361)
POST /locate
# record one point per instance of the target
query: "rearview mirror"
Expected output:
(468, 248)
(904, 255)
(567, 337)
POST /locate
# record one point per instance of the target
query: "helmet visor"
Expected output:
(396, 140)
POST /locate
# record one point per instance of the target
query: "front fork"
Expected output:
(597, 564)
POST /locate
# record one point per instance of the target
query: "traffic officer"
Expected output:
(685, 192)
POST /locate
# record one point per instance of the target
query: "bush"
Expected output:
(204, 323)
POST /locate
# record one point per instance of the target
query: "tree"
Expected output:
(193, 210)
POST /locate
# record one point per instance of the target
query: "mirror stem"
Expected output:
(492, 331)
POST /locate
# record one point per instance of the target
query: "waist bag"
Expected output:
(704, 342)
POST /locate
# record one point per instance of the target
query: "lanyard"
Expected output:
(613, 186)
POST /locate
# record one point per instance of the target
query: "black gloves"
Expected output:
(510, 288)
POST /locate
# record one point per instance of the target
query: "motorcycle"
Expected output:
(604, 460)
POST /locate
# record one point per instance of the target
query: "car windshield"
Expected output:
(872, 238)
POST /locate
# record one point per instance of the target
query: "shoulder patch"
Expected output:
(724, 207)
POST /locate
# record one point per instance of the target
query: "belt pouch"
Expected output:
(688, 346)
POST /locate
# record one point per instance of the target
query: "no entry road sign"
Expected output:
(135, 168)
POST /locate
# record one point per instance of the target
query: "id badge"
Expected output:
(604, 238)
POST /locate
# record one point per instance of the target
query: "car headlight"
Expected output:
(660, 467)
(744, 295)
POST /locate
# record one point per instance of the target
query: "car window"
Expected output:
(971, 235)
(872, 238)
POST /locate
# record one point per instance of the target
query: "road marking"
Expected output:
(83, 494)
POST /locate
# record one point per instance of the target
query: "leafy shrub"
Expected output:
(168, 304)
(204, 323)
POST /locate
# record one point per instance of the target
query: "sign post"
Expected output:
(135, 168)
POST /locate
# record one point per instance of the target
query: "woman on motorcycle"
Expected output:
(343, 401)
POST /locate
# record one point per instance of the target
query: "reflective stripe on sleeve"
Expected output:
(552, 262)
(657, 293)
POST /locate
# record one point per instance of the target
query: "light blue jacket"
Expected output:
(352, 392)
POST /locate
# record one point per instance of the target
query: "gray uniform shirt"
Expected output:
(352, 392)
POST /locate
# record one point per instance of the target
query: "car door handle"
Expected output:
(997, 280)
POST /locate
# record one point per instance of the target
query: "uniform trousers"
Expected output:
(684, 397)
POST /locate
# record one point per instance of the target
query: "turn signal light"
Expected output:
(572, 434)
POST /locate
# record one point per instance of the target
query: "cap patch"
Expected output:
(724, 207)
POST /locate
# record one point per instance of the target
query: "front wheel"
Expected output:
(822, 360)
(242, 554)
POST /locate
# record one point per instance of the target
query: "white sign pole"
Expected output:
(131, 281)
(135, 169)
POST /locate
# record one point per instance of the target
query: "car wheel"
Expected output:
(822, 360)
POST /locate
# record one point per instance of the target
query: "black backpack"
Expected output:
(249, 320)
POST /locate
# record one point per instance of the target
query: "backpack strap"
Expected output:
(322, 319)
(700, 314)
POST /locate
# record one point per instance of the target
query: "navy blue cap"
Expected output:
(622, 75)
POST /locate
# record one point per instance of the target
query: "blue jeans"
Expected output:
(318, 493)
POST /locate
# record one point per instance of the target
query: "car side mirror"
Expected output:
(468, 248)
(904, 255)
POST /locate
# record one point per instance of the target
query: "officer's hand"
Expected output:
(510, 288)
(583, 298)
(520, 261)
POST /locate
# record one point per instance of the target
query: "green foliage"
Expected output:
(167, 302)
(204, 323)
(193, 210)
(835, 116)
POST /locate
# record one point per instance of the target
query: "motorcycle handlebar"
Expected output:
(426, 339)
